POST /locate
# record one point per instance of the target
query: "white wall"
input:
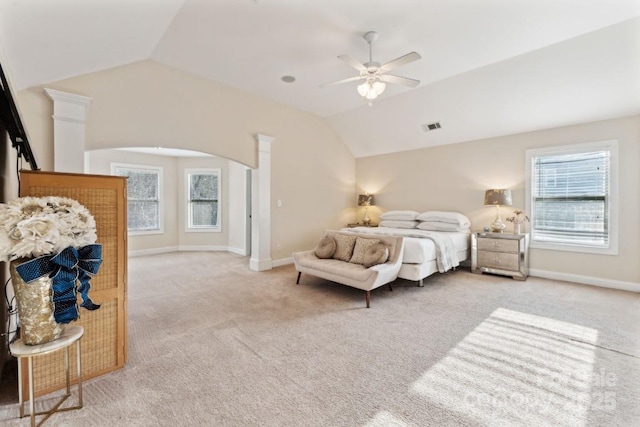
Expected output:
(454, 177)
(238, 217)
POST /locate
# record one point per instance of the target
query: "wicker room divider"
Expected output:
(104, 345)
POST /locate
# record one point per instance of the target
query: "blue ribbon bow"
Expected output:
(66, 268)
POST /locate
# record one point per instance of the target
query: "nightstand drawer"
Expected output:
(501, 260)
(498, 245)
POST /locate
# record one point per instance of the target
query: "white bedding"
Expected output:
(418, 248)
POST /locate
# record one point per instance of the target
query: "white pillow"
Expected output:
(439, 216)
(398, 224)
(400, 215)
(442, 226)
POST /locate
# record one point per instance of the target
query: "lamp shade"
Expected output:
(499, 197)
(366, 200)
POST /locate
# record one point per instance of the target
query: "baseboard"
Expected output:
(183, 248)
(283, 261)
(201, 248)
(238, 251)
(154, 251)
(586, 280)
(256, 264)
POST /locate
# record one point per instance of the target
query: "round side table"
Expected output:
(71, 334)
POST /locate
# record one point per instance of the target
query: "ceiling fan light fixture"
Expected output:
(376, 76)
(371, 89)
(363, 89)
(379, 87)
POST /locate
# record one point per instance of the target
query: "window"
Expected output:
(572, 197)
(203, 199)
(144, 211)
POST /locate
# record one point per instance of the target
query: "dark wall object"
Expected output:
(11, 121)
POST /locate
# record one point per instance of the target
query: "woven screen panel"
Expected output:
(100, 335)
(104, 341)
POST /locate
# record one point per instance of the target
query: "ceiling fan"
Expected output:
(375, 75)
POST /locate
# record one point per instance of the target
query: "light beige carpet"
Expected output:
(214, 344)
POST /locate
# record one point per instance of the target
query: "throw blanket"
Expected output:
(446, 253)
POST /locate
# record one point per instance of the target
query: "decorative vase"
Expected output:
(516, 228)
(35, 307)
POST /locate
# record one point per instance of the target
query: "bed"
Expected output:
(425, 252)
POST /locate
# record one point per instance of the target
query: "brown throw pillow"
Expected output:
(376, 254)
(360, 249)
(344, 246)
(326, 247)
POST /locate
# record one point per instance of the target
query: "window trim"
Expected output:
(187, 201)
(159, 171)
(612, 147)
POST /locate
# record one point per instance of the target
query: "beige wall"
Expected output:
(99, 162)
(454, 177)
(313, 173)
(174, 208)
(217, 240)
(149, 104)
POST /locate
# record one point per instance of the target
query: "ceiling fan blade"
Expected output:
(409, 57)
(404, 81)
(355, 64)
(337, 82)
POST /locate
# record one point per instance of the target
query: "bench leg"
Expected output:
(368, 299)
(420, 283)
(298, 280)
(390, 288)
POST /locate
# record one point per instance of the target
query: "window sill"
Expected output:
(611, 250)
(145, 233)
(203, 230)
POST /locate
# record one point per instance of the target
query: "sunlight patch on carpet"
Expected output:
(386, 419)
(518, 368)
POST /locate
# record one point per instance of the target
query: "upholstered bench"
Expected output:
(358, 260)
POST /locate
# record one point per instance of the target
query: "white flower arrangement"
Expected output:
(36, 226)
(518, 218)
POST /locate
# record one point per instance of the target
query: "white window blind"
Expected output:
(203, 199)
(571, 198)
(143, 197)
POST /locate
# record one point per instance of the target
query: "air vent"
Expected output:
(431, 126)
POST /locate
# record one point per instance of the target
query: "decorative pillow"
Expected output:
(376, 254)
(439, 216)
(398, 224)
(344, 246)
(442, 226)
(400, 215)
(326, 247)
(359, 250)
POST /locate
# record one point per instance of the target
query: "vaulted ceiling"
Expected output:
(488, 67)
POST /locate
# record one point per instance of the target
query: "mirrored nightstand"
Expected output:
(500, 253)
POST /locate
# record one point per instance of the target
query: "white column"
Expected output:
(261, 207)
(69, 112)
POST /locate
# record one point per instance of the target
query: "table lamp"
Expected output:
(366, 200)
(497, 197)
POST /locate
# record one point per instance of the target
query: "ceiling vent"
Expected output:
(431, 126)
